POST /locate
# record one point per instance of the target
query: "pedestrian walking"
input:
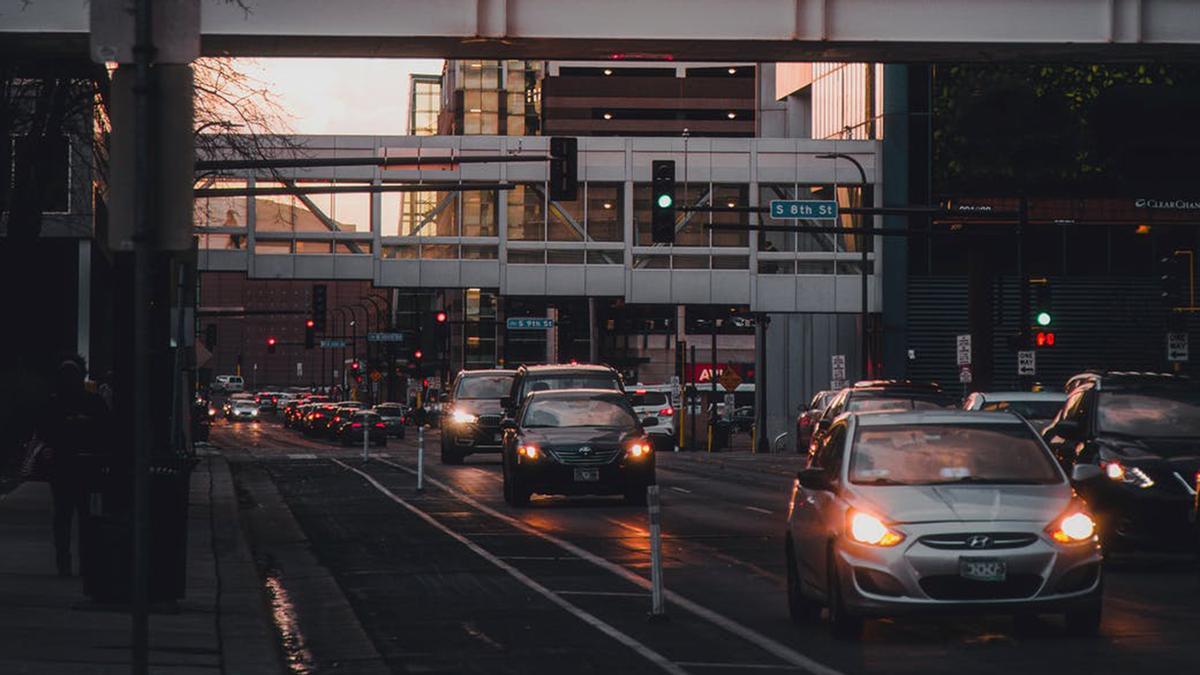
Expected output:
(74, 422)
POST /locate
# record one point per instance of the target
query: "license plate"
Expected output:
(587, 475)
(982, 569)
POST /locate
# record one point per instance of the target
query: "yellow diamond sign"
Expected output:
(729, 379)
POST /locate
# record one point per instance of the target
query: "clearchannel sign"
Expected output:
(1168, 204)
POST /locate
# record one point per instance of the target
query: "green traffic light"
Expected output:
(665, 201)
(1043, 318)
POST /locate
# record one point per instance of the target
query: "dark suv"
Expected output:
(880, 396)
(529, 379)
(471, 415)
(1142, 431)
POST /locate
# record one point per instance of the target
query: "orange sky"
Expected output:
(342, 96)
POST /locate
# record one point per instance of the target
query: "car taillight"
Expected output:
(380, 425)
(806, 421)
(666, 412)
(355, 425)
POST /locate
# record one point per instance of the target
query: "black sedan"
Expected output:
(395, 417)
(471, 416)
(576, 442)
(350, 428)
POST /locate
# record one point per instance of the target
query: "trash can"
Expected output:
(106, 535)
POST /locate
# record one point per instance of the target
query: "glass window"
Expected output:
(479, 213)
(689, 262)
(483, 386)
(526, 214)
(643, 235)
(556, 412)
(221, 211)
(605, 257)
(555, 381)
(1150, 415)
(935, 454)
(730, 195)
(693, 232)
(479, 252)
(408, 252)
(605, 209)
(304, 247)
(523, 257)
(439, 251)
(774, 241)
(565, 222)
(564, 257)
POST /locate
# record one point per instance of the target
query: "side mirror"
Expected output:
(649, 421)
(814, 479)
(506, 402)
(1083, 473)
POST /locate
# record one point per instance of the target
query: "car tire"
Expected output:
(842, 624)
(801, 609)
(1085, 621)
(518, 494)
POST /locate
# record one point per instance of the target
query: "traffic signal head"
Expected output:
(354, 366)
(1043, 318)
(662, 201)
(564, 168)
(417, 354)
(310, 324)
(310, 334)
(271, 345)
(1043, 339)
(440, 317)
(319, 297)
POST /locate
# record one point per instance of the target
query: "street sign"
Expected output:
(730, 405)
(810, 209)
(385, 337)
(299, 369)
(1177, 346)
(963, 343)
(676, 391)
(529, 323)
(729, 379)
(333, 344)
(837, 376)
(1026, 362)
(375, 376)
(964, 374)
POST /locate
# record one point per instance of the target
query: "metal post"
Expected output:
(691, 416)
(143, 292)
(1022, 288)
(712, 378)
(657, 611)
(420, 457)
(366, 439)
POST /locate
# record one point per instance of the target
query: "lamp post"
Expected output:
(382, 318)
(862, 175)
(341, 312)
(366, 330)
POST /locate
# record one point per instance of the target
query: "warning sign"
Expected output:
(729, 379)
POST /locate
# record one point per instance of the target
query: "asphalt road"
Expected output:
(452, 580)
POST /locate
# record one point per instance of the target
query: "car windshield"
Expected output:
(1030, 410)
(590, 412)
(557, 381)
(389, 410)
(652, 399)
(942, 454)
(483, 386)
(891, 404)
(1150, 415)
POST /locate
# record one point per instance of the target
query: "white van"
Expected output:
(229, 383)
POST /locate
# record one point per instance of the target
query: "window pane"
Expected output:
(651, 262)
(352, 248)
(693, 233)
(221, 211)
(730, 262)
(479, 252)
(304, 247)
(564, 257)
(520, 257)
(269, 247)
(605, 257)
(479, 213)
(604, 212)
(526, 214)
(730, 196)
(689, 262)
(566, 221)
(641, 215)
(439, 251)
(408, 252)
(775, 241)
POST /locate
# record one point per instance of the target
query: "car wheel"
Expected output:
(801, 609)
(843, 625)
(1085, 621)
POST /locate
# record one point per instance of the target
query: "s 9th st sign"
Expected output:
(812, 209)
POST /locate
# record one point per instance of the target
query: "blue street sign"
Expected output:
(529, 323)
(811, 209)
(333, 344)
(385, 337)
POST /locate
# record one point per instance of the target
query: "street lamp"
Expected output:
(862, 176)
(341, 312)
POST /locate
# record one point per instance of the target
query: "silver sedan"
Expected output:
(920, 512)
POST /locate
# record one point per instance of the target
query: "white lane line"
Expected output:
(750, 635)
(302, 455)
(738, 666)
(588, 618)
(679, 489)
(607, 594)
(758, 510)
(554, 558)
(632, 528)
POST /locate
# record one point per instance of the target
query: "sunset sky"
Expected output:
(342, 96)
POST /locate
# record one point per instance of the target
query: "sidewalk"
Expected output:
(47, 626)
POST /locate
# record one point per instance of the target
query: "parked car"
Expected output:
(941, 510)
(472, 414)
(1142, 432)
(807, 419)
(349, 429)
(655, 401)
(1038, 407)
(394, 416)
(577, 441)
(547, 378)
(881, 396)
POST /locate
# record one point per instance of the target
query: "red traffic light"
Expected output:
(354, 365)
(270, 342)
(440, 317)
(309, 324)
(418, 354)
(1044, 339)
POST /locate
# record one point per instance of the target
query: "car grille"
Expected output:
(981, 541)
(573, 456)
(954, 587)
(489, 420)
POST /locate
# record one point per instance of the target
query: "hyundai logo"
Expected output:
(979, 541)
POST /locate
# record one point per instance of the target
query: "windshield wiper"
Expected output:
(980, 480)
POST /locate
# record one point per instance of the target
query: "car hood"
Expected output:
(1181, 454)
(597, 436)
(939, 503)
(478, 406)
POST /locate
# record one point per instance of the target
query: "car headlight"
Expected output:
(461, 417)
(638, 449)
(1075, 526)
(212, 412)
(867, 529)
(254, 412)
(529, 451)
(1130, 475)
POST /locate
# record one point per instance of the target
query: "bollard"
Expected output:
(420, 458)
(657, 612)
(366, 439)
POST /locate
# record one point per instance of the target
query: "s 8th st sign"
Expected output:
(811, 209)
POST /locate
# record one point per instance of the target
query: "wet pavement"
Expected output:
(453, 580)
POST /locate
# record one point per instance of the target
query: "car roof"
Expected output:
(489, 371)
(577, 393)
(996, 396)
(1136, 381)
(896, 384)
(949, 416)
(568, 367)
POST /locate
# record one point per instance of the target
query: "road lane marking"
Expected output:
(632, 528)
(581, 614)
(750, 635)
(607, 594)
(738, 666)
(679, 489)
(553, 558)
(302, 455)
(758, 510)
